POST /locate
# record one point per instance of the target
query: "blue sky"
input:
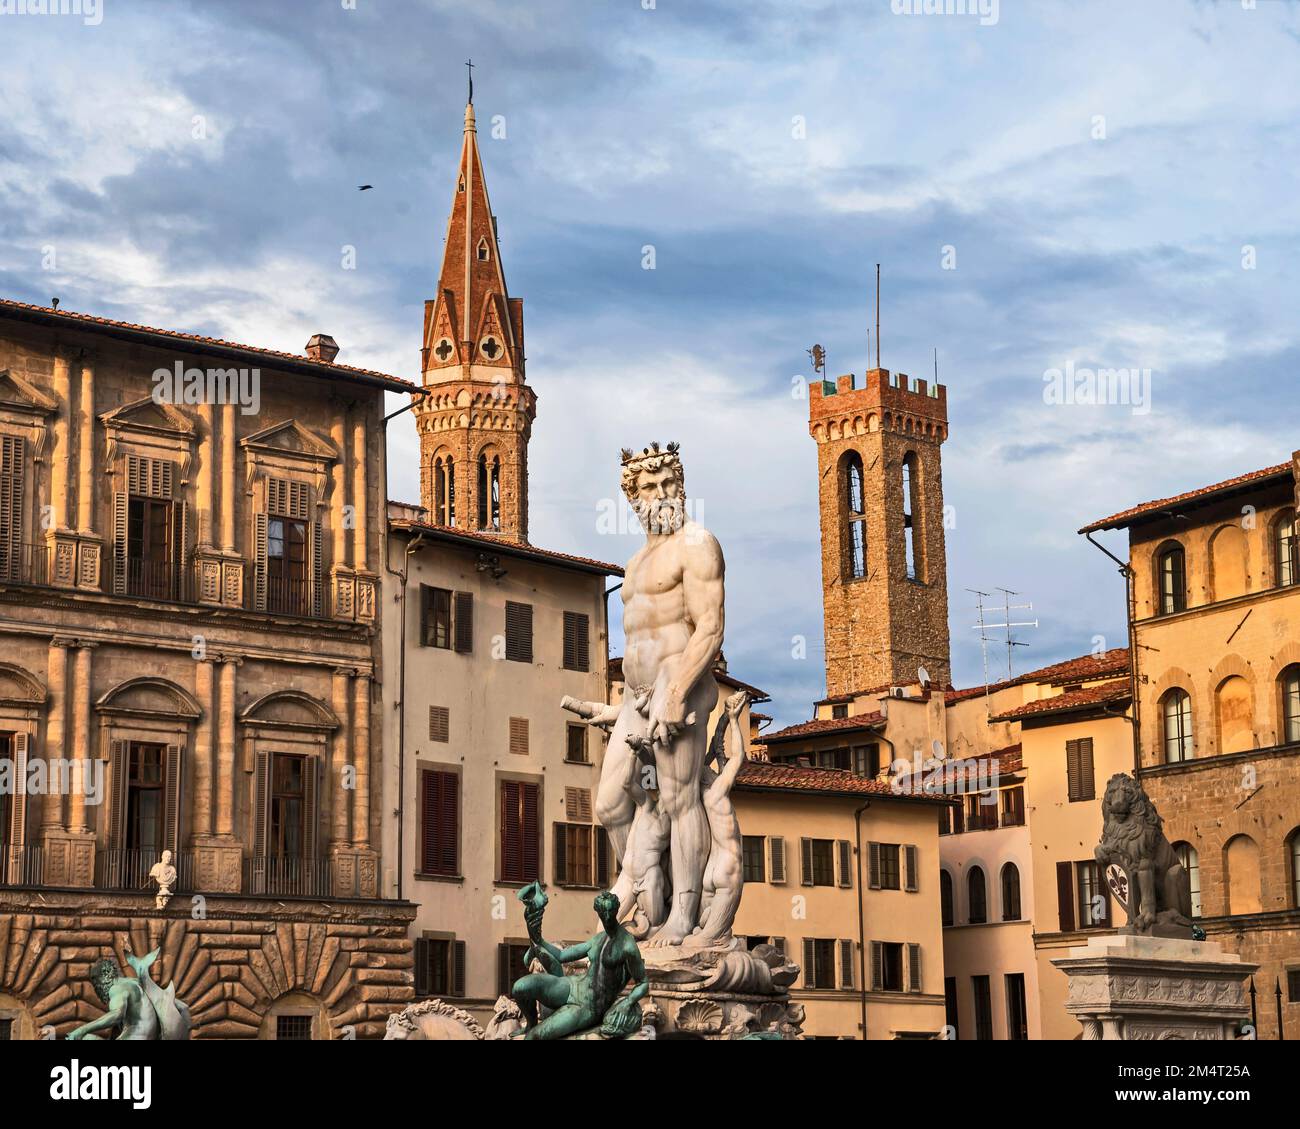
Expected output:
(194, 166)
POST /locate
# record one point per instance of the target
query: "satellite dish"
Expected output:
(922, 675)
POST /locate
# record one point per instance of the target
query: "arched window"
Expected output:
(911, 512)
(1235, 715)
(1286, 552)
(1176, 721)
(1293, 853)
(976, 897)
(1290, 682)
(1192, 864)
(444, 491)
(1241, 859)
(489, 493)
(1171, 574)
(1011, 892)
(855, 562)
(945, 896)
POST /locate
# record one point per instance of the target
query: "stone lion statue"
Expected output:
(1159, 898)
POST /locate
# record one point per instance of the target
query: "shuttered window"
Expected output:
(519, 632)
(752, 852)
(439, 822)
(817, 862)
(846, 964)
(435, 617)
(576, 648)
(149, 478)
(287, 499)
(913, 968)
(1065, 895)
(439, 723)
(13, 466)
(887, 966)
(575, 860)
(911, 867)
(577, 805)
(844, 860)
(519, 736)
(518, 831)
(776, 851)
(464, 623)
(819, 962)
(1079, 770)
(439, 967)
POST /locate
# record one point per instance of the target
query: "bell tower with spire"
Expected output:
(475, 423)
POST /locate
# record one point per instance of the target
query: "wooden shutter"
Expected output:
(423, 959)
(1087, 782)
(13, 466)
(560, 851)
(910, 865)
(1065, 895)
(913, 968)
(809, 963)
(601, 848)
(14, 849)
(508, 831)
(317, 601)
(805, 862)
(458, 968)
(439, 822)
(173, 792)
(426, 612)
(531, 829)
(1072, 769)
(464, 626)
(777, 867)
(121, 507)
(259, 562)
(519, 736)
(845, 856)
(439, 723)
(577, 805)
(846, 964)
(310, 803)
(519, 632)
(877, 966)
(576, 644)
(262, 805)
(118, 752)
(873, 866)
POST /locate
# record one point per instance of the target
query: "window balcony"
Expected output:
(21, 866)
(294, 876)
(127, 868)
(25, 565)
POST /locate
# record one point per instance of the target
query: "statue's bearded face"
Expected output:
(659, 500)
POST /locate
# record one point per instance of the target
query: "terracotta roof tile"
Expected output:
(508, 548)
(1090, 696)
(1201, 495)
(1084, 668)
(823, 725)
(766, 776)
(90, 321)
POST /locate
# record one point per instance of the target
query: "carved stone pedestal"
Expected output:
(355, 873)
(1133, 987)
(721, 994)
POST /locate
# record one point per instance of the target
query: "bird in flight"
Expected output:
(364, 187)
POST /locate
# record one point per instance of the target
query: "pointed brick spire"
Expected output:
(472, 322)
(475, 425)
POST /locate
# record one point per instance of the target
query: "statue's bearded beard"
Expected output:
(666, 515)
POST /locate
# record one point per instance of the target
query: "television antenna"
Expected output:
(1008, 625)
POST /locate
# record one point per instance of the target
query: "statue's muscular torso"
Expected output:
(656, 621)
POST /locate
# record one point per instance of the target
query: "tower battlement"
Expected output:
(885, 401)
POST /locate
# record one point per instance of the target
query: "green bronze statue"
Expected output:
(587, 999)
(143, 1010)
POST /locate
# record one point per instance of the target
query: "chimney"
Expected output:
(322, 347)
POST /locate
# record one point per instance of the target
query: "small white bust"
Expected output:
(164, 873)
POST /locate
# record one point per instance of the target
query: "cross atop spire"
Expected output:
(469, 68)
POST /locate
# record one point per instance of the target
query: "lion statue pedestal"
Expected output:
(1124, 986)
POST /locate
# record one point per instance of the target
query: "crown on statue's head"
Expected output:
(651, 458)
